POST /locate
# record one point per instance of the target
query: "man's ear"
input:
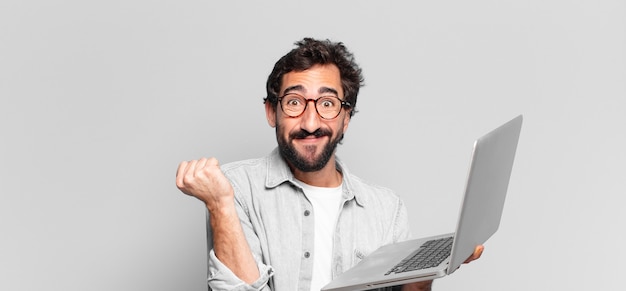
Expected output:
(270, 113)
(346, 121)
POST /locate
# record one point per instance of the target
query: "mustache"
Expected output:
(304, 134)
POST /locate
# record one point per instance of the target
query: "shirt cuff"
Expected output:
(221, 277)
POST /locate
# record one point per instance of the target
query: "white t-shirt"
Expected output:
(326, 204)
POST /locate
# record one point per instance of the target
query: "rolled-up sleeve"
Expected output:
(221, 277)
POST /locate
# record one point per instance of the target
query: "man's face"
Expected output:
(308, 142)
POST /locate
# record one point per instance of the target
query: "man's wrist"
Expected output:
(222, 205)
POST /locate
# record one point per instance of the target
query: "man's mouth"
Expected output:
(303, 134)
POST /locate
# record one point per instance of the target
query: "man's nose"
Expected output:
(310, 119)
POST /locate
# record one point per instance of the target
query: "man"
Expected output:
(297, 218)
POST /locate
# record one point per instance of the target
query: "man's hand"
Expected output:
(478, 251)
(204, 180)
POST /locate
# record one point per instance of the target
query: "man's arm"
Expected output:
(204, 180)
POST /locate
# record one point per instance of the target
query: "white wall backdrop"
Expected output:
(100, 101)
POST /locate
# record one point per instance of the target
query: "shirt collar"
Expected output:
(278, 172)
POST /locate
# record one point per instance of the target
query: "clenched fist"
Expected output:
(204, 180)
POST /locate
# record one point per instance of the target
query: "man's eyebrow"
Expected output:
(301, 89)
(298, 88)
(323, 90)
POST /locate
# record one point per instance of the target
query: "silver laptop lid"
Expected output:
(487, 183)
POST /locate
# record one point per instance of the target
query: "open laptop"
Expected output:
(479, 218)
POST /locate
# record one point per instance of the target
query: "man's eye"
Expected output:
(327, 102)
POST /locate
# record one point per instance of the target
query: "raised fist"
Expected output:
(204, 180)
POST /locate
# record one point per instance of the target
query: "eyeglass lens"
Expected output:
(327, 107)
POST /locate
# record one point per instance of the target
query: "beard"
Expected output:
(307, 161)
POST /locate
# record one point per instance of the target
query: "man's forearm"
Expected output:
(230, 244)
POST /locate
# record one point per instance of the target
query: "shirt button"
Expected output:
(307, 254)
(306, 213)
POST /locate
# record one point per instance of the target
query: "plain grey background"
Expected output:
(100, 101)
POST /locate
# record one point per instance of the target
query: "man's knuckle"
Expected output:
(188, 180)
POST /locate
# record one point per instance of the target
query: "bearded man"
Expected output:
(297, 218)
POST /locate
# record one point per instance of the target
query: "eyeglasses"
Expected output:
(327, 107)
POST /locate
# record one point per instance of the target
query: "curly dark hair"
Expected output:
(310, 52)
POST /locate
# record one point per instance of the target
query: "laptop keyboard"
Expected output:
(429, 255)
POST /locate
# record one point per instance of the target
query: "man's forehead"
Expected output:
(320, 78)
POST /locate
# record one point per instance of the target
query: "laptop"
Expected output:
(485, 190)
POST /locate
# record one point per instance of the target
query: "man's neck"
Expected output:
(328, 176)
